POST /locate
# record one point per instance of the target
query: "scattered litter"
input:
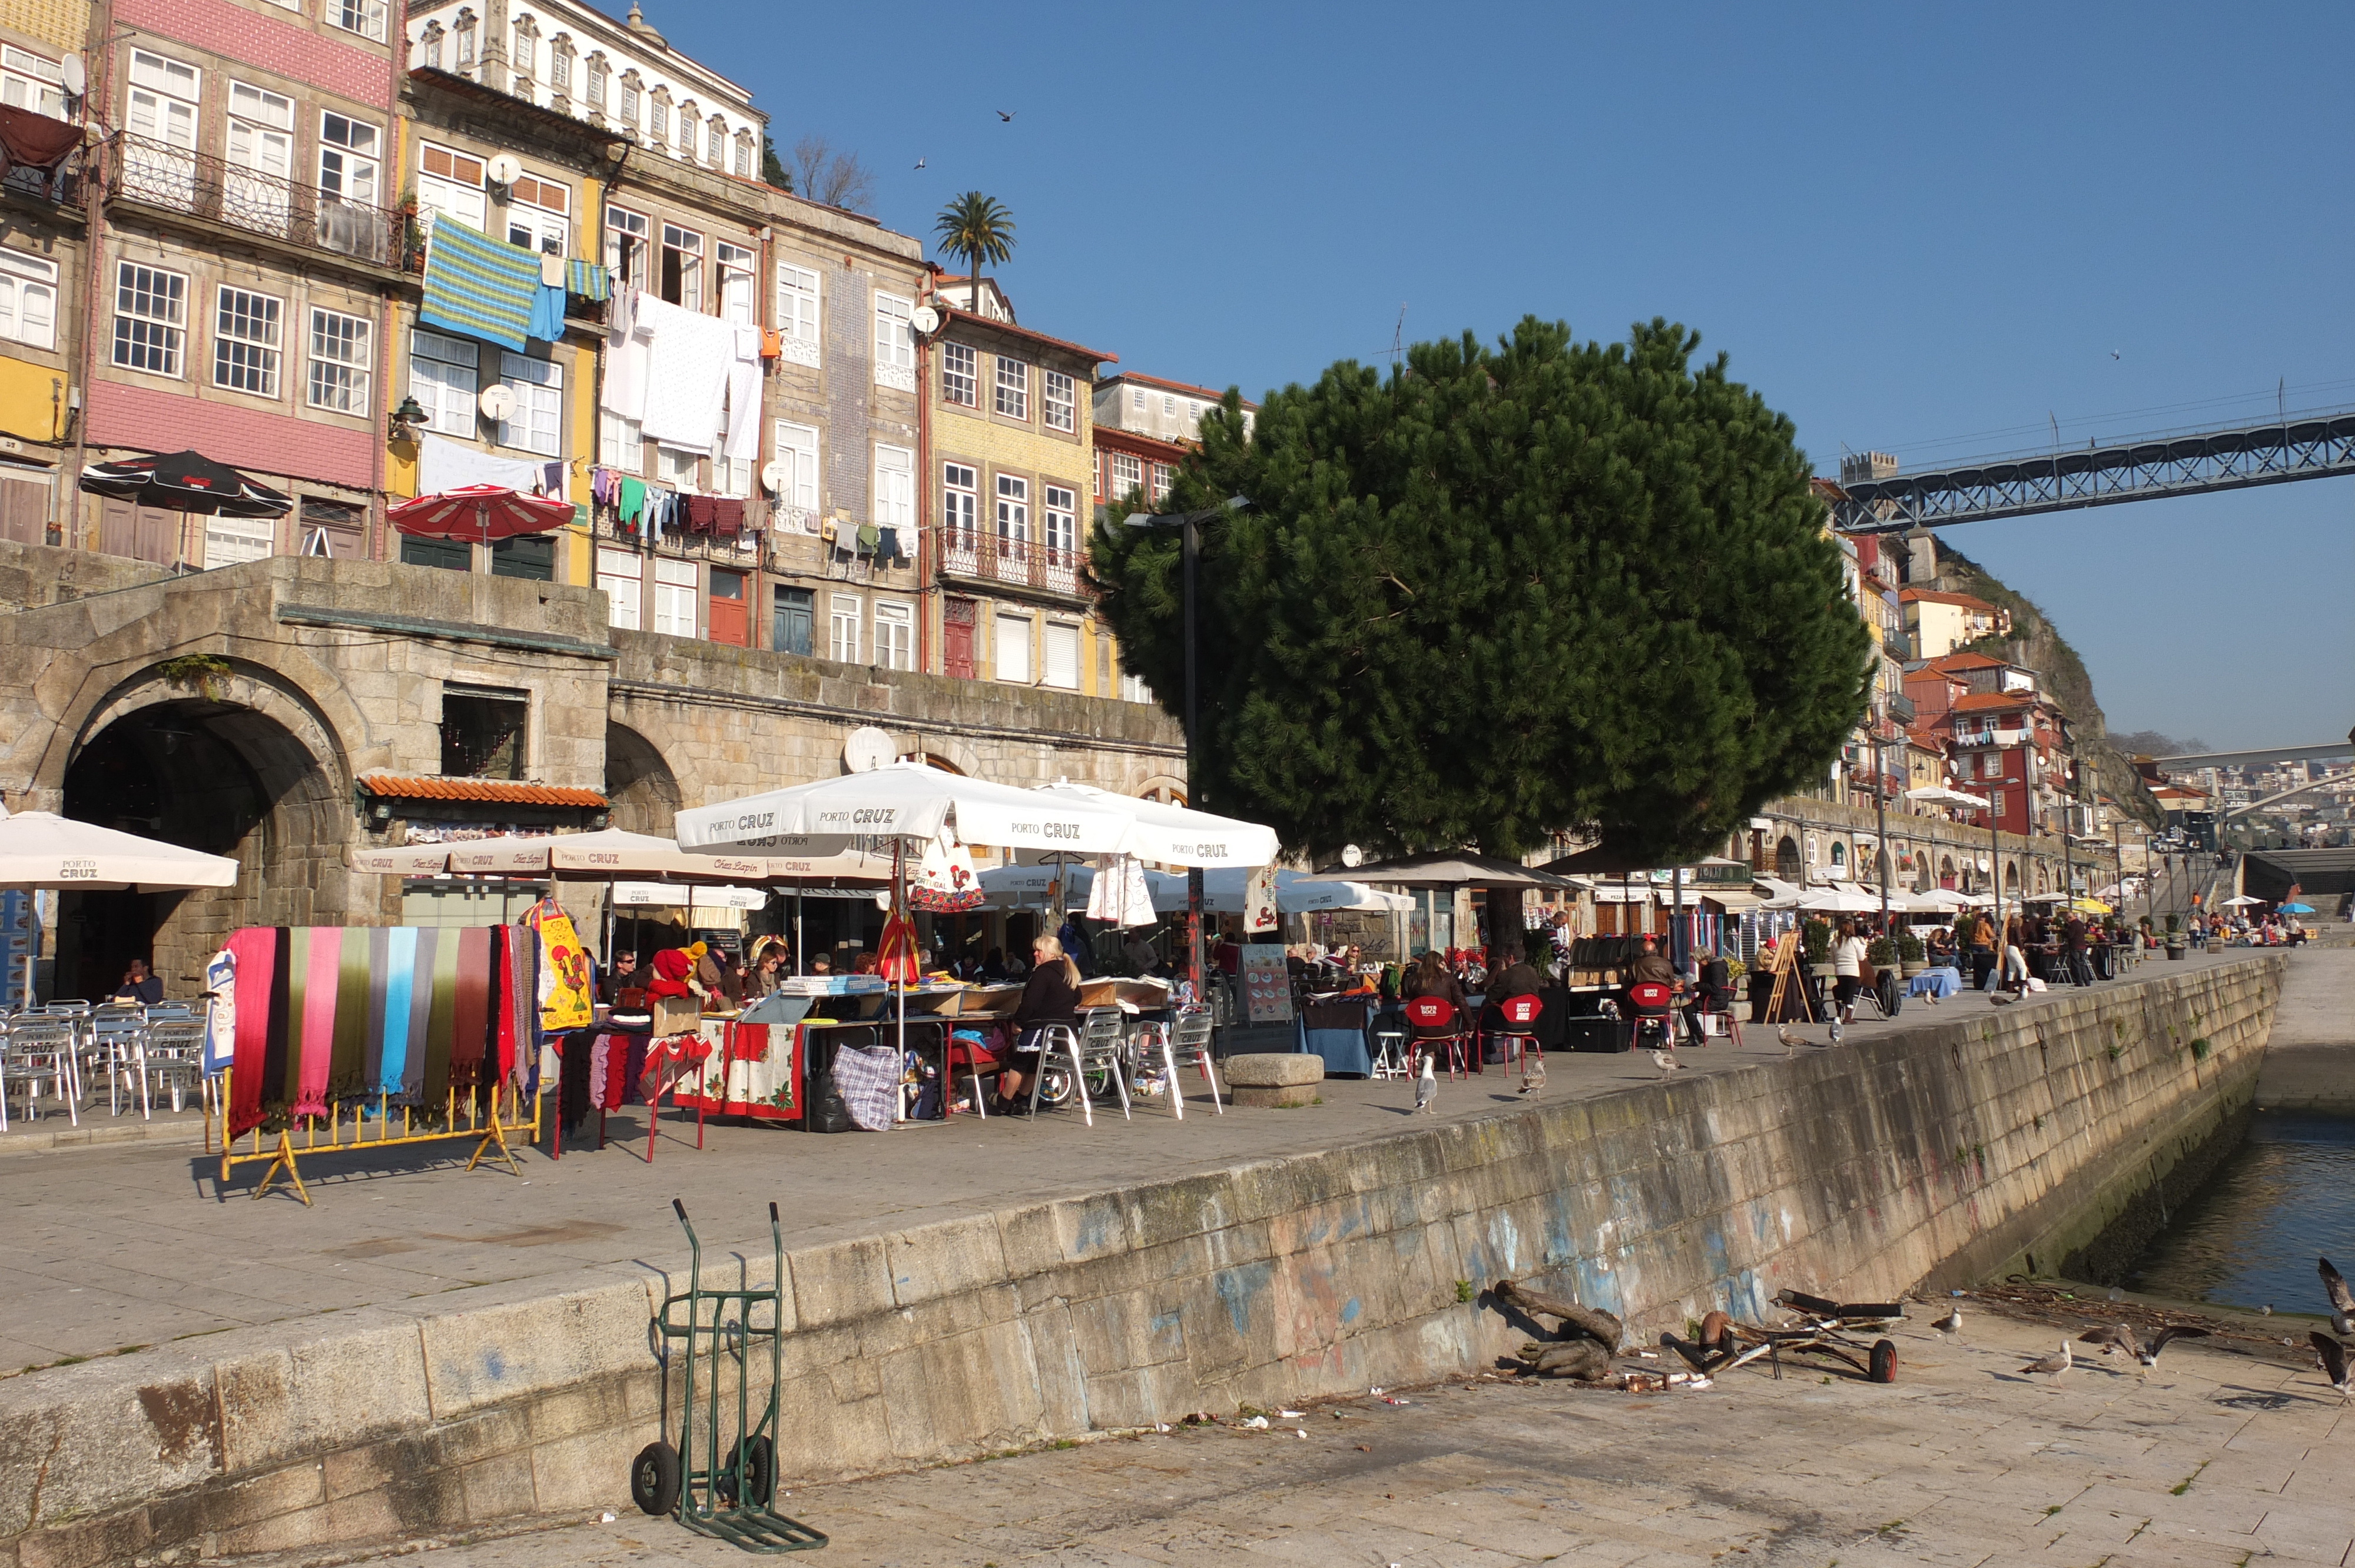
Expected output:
(1363, 1449)
(1649, 1355)
(1256, 1423)
(1387, 1400)
(1161, 1426)
(1289, 1415)
(1375, 1391)
(605, 1518)
(1298, 1432)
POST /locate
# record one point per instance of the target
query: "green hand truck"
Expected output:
(723, 1488)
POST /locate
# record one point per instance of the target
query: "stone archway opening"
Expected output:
(641, 791)
(1786, 859)
(210, 776)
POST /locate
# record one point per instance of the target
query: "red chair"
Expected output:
(1519, 1035)
(974, 1060)
(1654, 1002)
(1434, 1020)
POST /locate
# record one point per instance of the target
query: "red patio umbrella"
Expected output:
(479, 513)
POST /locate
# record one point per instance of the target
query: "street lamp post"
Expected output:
(1189, 525)
(1880, 816)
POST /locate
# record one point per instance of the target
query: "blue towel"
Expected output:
(477, 285)
(588, 279)
(546, 314)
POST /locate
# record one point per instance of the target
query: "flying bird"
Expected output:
(1666, 1061)
(1003, 115)
(2342, 1301)
(920, 162)
(2114, 353)
(1426, 1088)
(2333, 1357)
(1952, 1323)
(2056, 1365)
(2119, 1336)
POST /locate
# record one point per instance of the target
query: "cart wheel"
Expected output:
(760, 1473)
(1055, 1086)
(654, 1478)
(1884, 1361)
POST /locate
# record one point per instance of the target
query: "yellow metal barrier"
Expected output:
(392, 1127)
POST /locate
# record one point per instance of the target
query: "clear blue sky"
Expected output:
(1906, 228)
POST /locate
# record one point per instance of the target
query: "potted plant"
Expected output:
(1911, 960)
(2174, 936)
(1815, 943)
(1881, 953)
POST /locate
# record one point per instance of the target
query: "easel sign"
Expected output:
(1784, 968)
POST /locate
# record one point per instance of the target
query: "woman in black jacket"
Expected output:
(1052, 995)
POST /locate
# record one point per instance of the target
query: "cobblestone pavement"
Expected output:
(134, 1245)
(2221, 1457)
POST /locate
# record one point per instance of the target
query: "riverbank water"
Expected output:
(2250, 1237)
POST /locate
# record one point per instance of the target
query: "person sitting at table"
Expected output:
(1941, 947)
(625, 973)
(1651, 966)
(1712, 992)
(1052, 995)
(1138, 950)
(767, 973)
(139, 988)
(1432, 977)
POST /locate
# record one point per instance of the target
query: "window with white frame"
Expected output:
(260, 144)
(1061, 665)
(431, 41)
(895, 492)
(1012, 389)
(1059, 401)
(715, 142)
(895, 635)
(677, 467)
(151, 318)
(1059, 518)
(160, 102)
(1132, 689)
(797, 461)
(842, 628)
(658, 118)
(690, 129)
(744, 155)
(1161, 475)
(730, 476)
(539, 215)
(1010, 649)
(621, 443)
(1013, 508)
(738, 267)
(342, 350)
(523, 54)
(1169, 407)
(599, 74)
(960, 502)
(1136, 399)
(451, 182)
(960, 375)
(29, 82)
(537, 424)
(895, 343)
(365, 17)
(676, 606)
(247, 333)
(348, 153)
(28, 300)
(466, 36)
(619, 579)
(626, 242)
(1127, 474)
(233, 541)
(559, 64)
(682, 267)
(441, 379)
(797, 302)
(627, 112)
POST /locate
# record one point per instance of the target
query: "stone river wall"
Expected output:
(1984, 1141)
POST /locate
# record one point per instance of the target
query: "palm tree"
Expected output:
(976, 227)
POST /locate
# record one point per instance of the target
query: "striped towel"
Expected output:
(475, 285)
(588, 279)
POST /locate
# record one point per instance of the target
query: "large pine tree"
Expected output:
(1501, 593)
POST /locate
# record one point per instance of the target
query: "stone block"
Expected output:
(1277, 1098)
(498, 1488)
(1282, 1069)
(362, 1379)
(530, 1342)
(840, 1281)
(587, 1470)
(952, 1258)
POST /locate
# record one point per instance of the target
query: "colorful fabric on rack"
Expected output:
(411, 1088)
(323, 967)
(254, 952)
(564, 999)
(470, 1006)
(590, 280)
(479, 286)
(347, 1053)
(220, 1023)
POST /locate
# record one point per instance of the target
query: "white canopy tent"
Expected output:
(1172, 834)
(1223, 890)
(41, 850)
(907, 800)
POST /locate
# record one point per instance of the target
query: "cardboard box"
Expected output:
(677, 1016)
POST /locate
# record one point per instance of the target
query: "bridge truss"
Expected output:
(2191, 462)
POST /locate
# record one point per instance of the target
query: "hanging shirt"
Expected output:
(633, 498)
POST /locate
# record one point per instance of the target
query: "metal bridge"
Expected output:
(2182, 463)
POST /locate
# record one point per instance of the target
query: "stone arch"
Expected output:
(950, 753)
(1788, 865)
(241, 764)
(934, 759)
(641, 790)
(1839, 855)
(1946, 871)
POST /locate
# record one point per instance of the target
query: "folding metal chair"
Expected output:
(1189, 1037)
(1390, 1056)
(112, 1046)
(172, 1056)
(36, 1051)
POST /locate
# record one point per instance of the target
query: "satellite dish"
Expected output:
(505, 169)
(867, 748)
(926, 320)
(496, 401)
(1353, 856)
(71, 74)
(772, 478)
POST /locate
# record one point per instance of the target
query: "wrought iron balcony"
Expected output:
(1024, 563)
(157, 174)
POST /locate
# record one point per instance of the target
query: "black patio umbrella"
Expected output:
(186, 482)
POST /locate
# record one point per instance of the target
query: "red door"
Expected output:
(728, 608)
(956, 638)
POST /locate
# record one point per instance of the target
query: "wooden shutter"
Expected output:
(142, 532)
(956, 638)
(728, 608)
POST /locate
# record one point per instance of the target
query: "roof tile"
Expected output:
(493, 792)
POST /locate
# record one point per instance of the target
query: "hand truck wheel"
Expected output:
(747, 1480)
(1884, 1361)
(654, 1478)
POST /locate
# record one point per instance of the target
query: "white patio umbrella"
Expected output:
(2238, 901)
(907, 800)
(1939, 795)
(41, 850)
(1223, 890)
(1179, 835)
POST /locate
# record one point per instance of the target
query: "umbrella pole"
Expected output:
(899, 889)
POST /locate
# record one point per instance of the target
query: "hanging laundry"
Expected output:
(702, 511)
(869, 537)
(547, 312)
(629, 350)
(728, 517)
(888, 545)
(443, 464)
(552, 478)
(479, 286)
(773, 345)
(590, 280)
(687, 373)
(632, 502)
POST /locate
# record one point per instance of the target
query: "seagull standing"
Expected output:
(1426, 1088)
(2342, 1301)
(2333, 1357)
(1666, 1061)
(1952, 1323)
(1835, 1031)
(2056, 1365)
(1790, 1040)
